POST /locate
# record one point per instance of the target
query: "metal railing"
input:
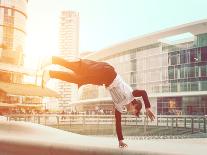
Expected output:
(195, 123)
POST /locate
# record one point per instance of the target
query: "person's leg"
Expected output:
(143, 94)
(73, 65)
(108, 74)
(65, 76)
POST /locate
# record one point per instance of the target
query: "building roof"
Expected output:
(26, 90)
(195, 28)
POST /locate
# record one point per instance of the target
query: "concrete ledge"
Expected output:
(20, 138)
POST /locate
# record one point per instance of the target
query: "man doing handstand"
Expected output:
(101, 73)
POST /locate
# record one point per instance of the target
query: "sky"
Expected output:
(105, 22)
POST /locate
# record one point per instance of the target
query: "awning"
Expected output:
(27, 90)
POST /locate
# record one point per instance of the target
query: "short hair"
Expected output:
(138, 106)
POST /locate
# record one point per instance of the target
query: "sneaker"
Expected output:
(45, 77)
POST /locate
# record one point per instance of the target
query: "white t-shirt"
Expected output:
(121, 93)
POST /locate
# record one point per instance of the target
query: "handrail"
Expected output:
(183, 121)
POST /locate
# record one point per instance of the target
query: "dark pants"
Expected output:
(84, 72)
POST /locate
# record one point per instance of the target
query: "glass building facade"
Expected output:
(174, 75)
(12, 29)
(12, 35)
(13, 18)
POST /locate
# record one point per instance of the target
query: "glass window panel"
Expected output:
(165, 87)
(183, 57)
(203, 71)
(133, 65)
(187, 70)
(173, 60)
(204, 54)
(174, 87)
(133, 78)
(177, 72)
(196, 71)
(193, 55)
(202, 40)
(194, 86)
(171, 72)
(203, 85)
(191, 72)
(183, 86)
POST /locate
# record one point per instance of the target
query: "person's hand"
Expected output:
(150, 114)
(122, 144)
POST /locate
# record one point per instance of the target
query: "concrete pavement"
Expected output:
(28, 138)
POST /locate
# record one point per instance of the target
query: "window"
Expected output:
(203, 85)
(197, 71)
(133, 78)
(193, 55)
(203, 70)
(174, 87)
(191, 70)
(183, 57)
(182, 72)
(177, 72)
(183, 86)
(173, 58)
(204, 54)
(192, 86)
(171, 72)
(133, 65)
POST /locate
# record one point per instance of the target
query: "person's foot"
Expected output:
(46, 62)
(45, 77)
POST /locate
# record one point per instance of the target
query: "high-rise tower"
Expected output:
(69, 46)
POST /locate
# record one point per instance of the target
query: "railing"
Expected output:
(195, 123)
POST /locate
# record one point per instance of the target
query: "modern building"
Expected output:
(171, 65)
(13, 18)
(69, 46)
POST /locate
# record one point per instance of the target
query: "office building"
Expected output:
(69, 46)
(171, 65)
(13, 18)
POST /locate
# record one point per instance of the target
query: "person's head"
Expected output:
(136, 107)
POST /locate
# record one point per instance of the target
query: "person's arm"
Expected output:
(119, 129)
(143, 94)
